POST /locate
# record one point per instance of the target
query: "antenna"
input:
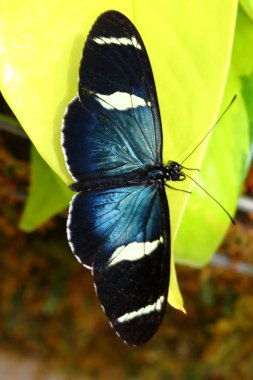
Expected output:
(210, 130)
(215, 200)
(196, 147)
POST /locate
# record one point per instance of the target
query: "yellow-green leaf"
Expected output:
(48, 195)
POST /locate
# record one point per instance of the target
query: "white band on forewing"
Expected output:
(118, 41)
(133, 251)
(156, 306)
(121, 101)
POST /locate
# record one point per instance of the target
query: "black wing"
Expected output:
(114, 126)
(123, 235)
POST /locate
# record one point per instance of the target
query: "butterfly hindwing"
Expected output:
(105, 144)
(123, 235)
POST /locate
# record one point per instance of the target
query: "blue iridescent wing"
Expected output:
(123, 234)
(114, 126)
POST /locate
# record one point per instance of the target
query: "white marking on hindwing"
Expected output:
(118, 41)
(121, 101)
(133, 251)
(156, 306)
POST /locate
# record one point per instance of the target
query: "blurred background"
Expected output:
(51, 323)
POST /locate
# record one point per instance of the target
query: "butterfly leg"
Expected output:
(175, 188)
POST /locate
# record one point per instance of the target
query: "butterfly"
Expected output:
(118, 222)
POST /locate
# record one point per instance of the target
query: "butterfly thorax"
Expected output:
(163, 173)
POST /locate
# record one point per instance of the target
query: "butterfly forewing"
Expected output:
(118, 120)
(110, 130)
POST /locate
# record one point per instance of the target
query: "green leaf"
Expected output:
(226, 160)
(247, 5)
(189, 44)
(48, 195)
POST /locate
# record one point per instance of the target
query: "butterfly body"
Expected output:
(158, 175)
(118, 224)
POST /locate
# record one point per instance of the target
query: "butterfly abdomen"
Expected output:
(143, 177)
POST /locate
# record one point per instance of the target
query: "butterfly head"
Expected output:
(173, 171)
